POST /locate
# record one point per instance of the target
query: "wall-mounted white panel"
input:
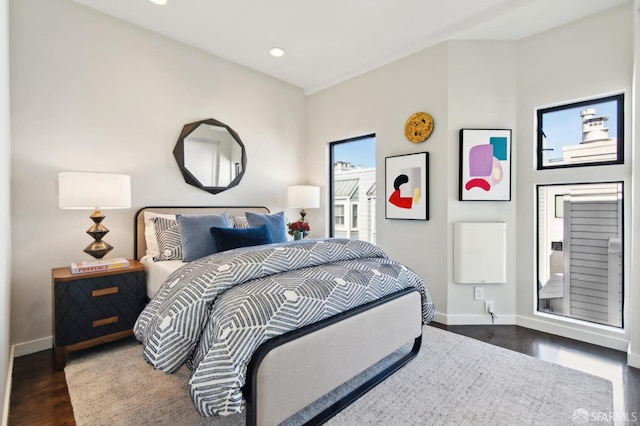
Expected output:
(479, 252)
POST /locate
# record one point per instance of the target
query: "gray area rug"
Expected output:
(455, 380)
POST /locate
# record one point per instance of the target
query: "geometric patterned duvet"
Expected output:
(214, 312)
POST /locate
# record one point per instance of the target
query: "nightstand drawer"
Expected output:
(90, 324)
(88, 294)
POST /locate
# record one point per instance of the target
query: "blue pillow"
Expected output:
(276, 222)
(195, 236)
(230, 238)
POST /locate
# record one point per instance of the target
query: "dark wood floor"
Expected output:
(39, 392)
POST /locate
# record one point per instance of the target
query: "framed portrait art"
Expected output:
(485, 165)
(407, 186)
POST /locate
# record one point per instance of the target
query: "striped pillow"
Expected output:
(240, 222)
(168, 236)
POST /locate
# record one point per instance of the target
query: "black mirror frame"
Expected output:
(178, 153)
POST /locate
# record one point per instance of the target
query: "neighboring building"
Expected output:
(596, 144)
(354, 196)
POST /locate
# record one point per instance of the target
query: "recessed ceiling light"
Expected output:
(277, 52)
(160, 2)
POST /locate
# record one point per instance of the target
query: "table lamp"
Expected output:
(94, 191)
(304, 196)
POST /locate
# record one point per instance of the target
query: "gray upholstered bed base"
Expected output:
(292, 371)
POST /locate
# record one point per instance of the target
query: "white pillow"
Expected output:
(153, 250)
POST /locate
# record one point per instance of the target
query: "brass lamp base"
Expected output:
(98, 248)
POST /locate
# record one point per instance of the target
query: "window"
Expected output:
(352, 188)
(339, 215)
(354, 216)
(559, 208)
(581, 133)
(580, 251)
(580, 220)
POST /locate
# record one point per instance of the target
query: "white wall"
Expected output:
(587, 58)
(482, 92)
(460, 84)
(483, 85)
(380, 102)
(90, 92)
(5, 226)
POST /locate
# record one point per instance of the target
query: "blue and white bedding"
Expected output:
(214, 312)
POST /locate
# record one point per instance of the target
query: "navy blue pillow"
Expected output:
(230, 238)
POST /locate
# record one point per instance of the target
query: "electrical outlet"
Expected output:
(478, 293)
(489, 307)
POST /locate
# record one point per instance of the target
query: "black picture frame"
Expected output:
(407, 186)
(485, 165)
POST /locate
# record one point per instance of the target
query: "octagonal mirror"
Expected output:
(210, 155)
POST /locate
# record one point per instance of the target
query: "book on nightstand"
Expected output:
(99, 265)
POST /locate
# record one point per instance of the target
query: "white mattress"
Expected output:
(157, 272)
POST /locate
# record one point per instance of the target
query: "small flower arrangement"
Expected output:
(299, 227)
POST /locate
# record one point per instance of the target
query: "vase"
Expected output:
(297, 235)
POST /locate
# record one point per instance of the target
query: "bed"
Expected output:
(307, 340)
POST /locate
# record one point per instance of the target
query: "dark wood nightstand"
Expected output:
(95, 307)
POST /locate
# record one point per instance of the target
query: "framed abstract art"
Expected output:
(407, 186)
(485, 165)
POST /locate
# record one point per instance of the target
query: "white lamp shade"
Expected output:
(304, 196)
(88, 190)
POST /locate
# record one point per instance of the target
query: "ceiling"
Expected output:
(330, 41)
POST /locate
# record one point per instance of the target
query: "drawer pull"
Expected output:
(104, 291)
(105, 321)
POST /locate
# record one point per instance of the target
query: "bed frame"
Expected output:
(288, 373)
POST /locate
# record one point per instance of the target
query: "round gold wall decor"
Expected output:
(418, 127)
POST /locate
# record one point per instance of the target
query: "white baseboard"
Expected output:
(474, 319)
(633, 360)
(595, 337)
(440, 318)
(7, 391)
(33, 346)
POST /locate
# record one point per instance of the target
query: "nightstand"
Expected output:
(95, 307)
